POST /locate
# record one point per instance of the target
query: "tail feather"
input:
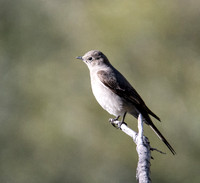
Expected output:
(158, 133)
(152, 114)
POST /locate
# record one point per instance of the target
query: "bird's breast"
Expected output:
(106, 98)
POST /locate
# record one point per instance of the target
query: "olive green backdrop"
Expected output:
(51, 128)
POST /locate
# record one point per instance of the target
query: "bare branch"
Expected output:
(143, 150)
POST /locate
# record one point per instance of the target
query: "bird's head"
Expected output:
(94, 58)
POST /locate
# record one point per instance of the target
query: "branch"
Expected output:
(143, 150)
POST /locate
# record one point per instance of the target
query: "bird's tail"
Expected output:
(151, 113)
(159, 134)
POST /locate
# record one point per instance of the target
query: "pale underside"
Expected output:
(110, 101)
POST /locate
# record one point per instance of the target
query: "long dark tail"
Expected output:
(158, 133)
(151, 113)
(162, 137)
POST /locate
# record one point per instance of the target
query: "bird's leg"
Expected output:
(123, 118)
(122, 121)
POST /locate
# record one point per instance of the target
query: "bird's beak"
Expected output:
(79, 58)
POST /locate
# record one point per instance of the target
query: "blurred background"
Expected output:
(52, 130)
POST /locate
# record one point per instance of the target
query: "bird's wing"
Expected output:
(119, 86)
(116, 82)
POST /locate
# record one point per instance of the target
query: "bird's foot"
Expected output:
(116, 124)
(113, 121)
(120, 124)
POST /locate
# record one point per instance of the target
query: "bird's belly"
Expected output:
(108, 99)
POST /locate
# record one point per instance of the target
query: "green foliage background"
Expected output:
(52, 129)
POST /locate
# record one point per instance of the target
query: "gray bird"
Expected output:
(115, 94)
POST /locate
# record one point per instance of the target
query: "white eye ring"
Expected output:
(90, 58)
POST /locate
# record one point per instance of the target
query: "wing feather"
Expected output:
(120, 86)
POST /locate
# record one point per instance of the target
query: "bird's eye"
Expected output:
(90, 58)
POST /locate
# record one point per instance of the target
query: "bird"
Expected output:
(115, 94)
